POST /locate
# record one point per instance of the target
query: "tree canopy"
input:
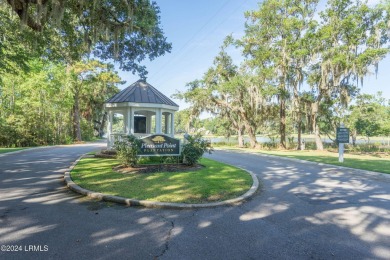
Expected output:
(125, 31)
(55, 71)
(305, 64)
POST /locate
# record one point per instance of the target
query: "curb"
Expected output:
(382, 174)
(156, 204)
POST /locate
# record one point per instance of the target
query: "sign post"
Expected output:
(342, 137)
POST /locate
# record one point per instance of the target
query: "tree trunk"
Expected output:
(252, 140)
(282, 128)
(319, 144)
(315, 127)
(299, 132)
(76, 118)
(102, 125)
(240, 133)
(252, 137)
(354, 134)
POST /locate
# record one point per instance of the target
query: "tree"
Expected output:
(351, 38)
(233, 95)
(183, 121)
(35, 106)
(273, 42)
(88, 80)
(14, 55)
(369, 116)
(229, 92)
(38, 107)
(126, 31)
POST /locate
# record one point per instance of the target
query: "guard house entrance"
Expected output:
(145, 111)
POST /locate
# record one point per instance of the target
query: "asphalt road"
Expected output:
(303, 211)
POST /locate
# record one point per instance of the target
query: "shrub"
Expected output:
(194, 149)
(367, 148)
(127, 150)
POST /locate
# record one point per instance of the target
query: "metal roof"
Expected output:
(141, 92)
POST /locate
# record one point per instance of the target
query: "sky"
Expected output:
(197, 29)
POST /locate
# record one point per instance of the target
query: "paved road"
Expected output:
(303, 211)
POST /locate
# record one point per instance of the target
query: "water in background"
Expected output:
(265, 139)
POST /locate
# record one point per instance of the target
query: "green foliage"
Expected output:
(127, 150)
(125, 31)
(288, 44)
(36, 107)
(370, 116)
(194, 148)
(13, 53)
(186, 121)
(91, 82)
(367, 148)
(219, 126)
(160, 160)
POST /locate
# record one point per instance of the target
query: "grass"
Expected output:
(215, 182)
(8, 150)
(364, 162)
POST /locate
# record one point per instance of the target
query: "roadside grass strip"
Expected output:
(363, 162)
(8, 150)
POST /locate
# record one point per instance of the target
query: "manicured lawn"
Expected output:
(214, 182)
(365, 162)
(7, 150)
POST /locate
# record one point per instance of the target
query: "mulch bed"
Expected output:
(152, 168)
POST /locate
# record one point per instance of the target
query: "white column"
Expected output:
(158, 121)
(125, 122)
(166, 118)
(148, 122)
(173, 124)
(109, 129)
(131, 120)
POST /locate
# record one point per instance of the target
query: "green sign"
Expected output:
(159, 145)
(342, 135)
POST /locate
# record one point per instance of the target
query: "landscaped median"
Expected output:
(213, 184)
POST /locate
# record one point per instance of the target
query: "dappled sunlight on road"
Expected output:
(370, 224)
(204, 224)
(266, 210)
(111, 236)
(49, 198)
(301, 212)
(382, 196)
(20, 228)
(334, 210)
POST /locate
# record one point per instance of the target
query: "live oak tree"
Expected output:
(289, 46)
(229, 97)
(69, 32)
(91, 81)
(273, 43)
(13, 53)
(230, 92)
(351, 38)
(126, 31)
